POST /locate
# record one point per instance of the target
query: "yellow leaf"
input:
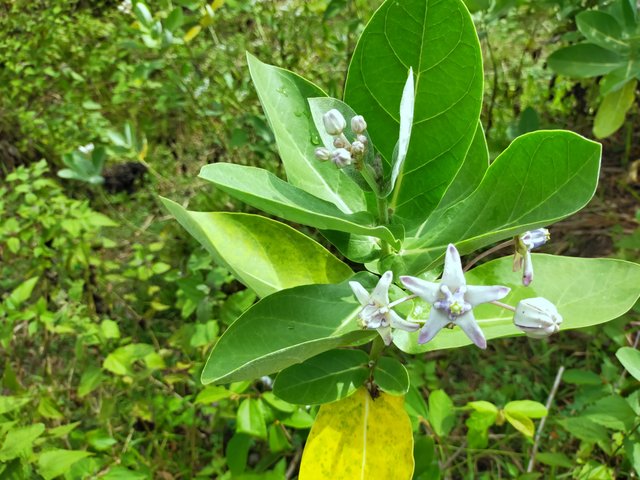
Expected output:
(216, 4)
(191, 34)
(360, 438)
(521, 423)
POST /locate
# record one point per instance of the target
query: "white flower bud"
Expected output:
(334, 122)
(357, 148)
(535, 238)
(340, 142)
(323, 153)
(86, 149)
(358, 125)
(341, 157)
(362, 139)
(537, 317)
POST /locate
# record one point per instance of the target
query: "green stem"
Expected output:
(383, 218)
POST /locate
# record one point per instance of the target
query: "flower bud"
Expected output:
(341, 157)
(323, 153)
(357, 148)
(334, 122)
(534, 238)
(340, 142)
(362, 139)
(358, 125)
(537, 317)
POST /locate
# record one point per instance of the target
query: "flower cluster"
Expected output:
(345, 152)
(452, 302)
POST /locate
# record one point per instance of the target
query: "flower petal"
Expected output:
(467, 323)
(385, 333)
(527, 273)
(360, 292)
(428, 291)
(453, 276)
(398, 322)
(476, 295)
(381, 293)
(437, 321)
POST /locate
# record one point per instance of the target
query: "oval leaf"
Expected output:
(438, 40)
(286, 328)
(391, 376)
(613, 110)
(359, 437)
(577, 286)
(584, 60)
(602, 29)
(630, 359)
(324, 378)
(528, 408)
(264, 254)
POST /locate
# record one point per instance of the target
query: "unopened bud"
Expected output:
(537, 317)
(341, 157)
(534, 238)
(362, 139)
(358, 125)
(340, 142)
(323, 153)
(334, 122)
(357, 148)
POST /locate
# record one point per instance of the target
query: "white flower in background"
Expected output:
(524, 244)
(125, 7)
(86, 149)
(452, 300)
(376, 313)
(537, 317)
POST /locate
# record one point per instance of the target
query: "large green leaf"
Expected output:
(438, 40)
(602, 29)
(613, 110)
(286, 328)
(324, 378)
(618, 78)
(584, 60)
(263, 190)
(53, 463)
(264, 254)
(471, 172)
(542, 177)
(586, 291)
(284, 95)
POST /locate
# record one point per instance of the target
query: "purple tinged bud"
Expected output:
(341, 157)
(323, 154)
(340, 142)
(537, 317)
(358, 125)
(357, 148)
(362, 139)
(535, 238)
(334, 122)
(527, 272)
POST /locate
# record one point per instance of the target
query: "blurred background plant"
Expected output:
(108, 309)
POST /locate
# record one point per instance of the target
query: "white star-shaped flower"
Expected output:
(452, 300)
(376, 313)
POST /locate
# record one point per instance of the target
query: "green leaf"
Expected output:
(581, 377)
(528, 408)
(438, 40)
(47, 408)
(285, 328)
(612, 412)
(121, 360)
(584, 60)
(602, 29)
(142, 13)
(482, 406)
(442, 414)
(613, 110)
(261, 189)
(618, 78)
(211, 394)
(266, 255)
(391, 376)
(278, 440)
(554, 459)
(585, 429)
(471, 173)
(19, 441)
(630, 359)
(250, 419)
(520, 422)
(360, 437)
(22, 293)
(325, 378)
(54, 463)
(9, 403)
(90, 380)
(542, 177)
(174, 20)
(479, 423)
(237, 453)
(415, 404)
(283, 96)
(575, 285)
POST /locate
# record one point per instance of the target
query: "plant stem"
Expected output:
(486, 253)
(383, 218)
(504, 305)
(401, 300)
(550, 398)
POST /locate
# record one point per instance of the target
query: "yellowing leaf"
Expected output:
(359, 437)
(521, 423)
(192, 33)
(216, 4)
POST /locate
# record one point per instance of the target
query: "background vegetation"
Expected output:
(108, 308)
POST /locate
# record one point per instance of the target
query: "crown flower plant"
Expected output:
(396, 177)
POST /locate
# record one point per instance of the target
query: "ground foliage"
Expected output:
(108, 309)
